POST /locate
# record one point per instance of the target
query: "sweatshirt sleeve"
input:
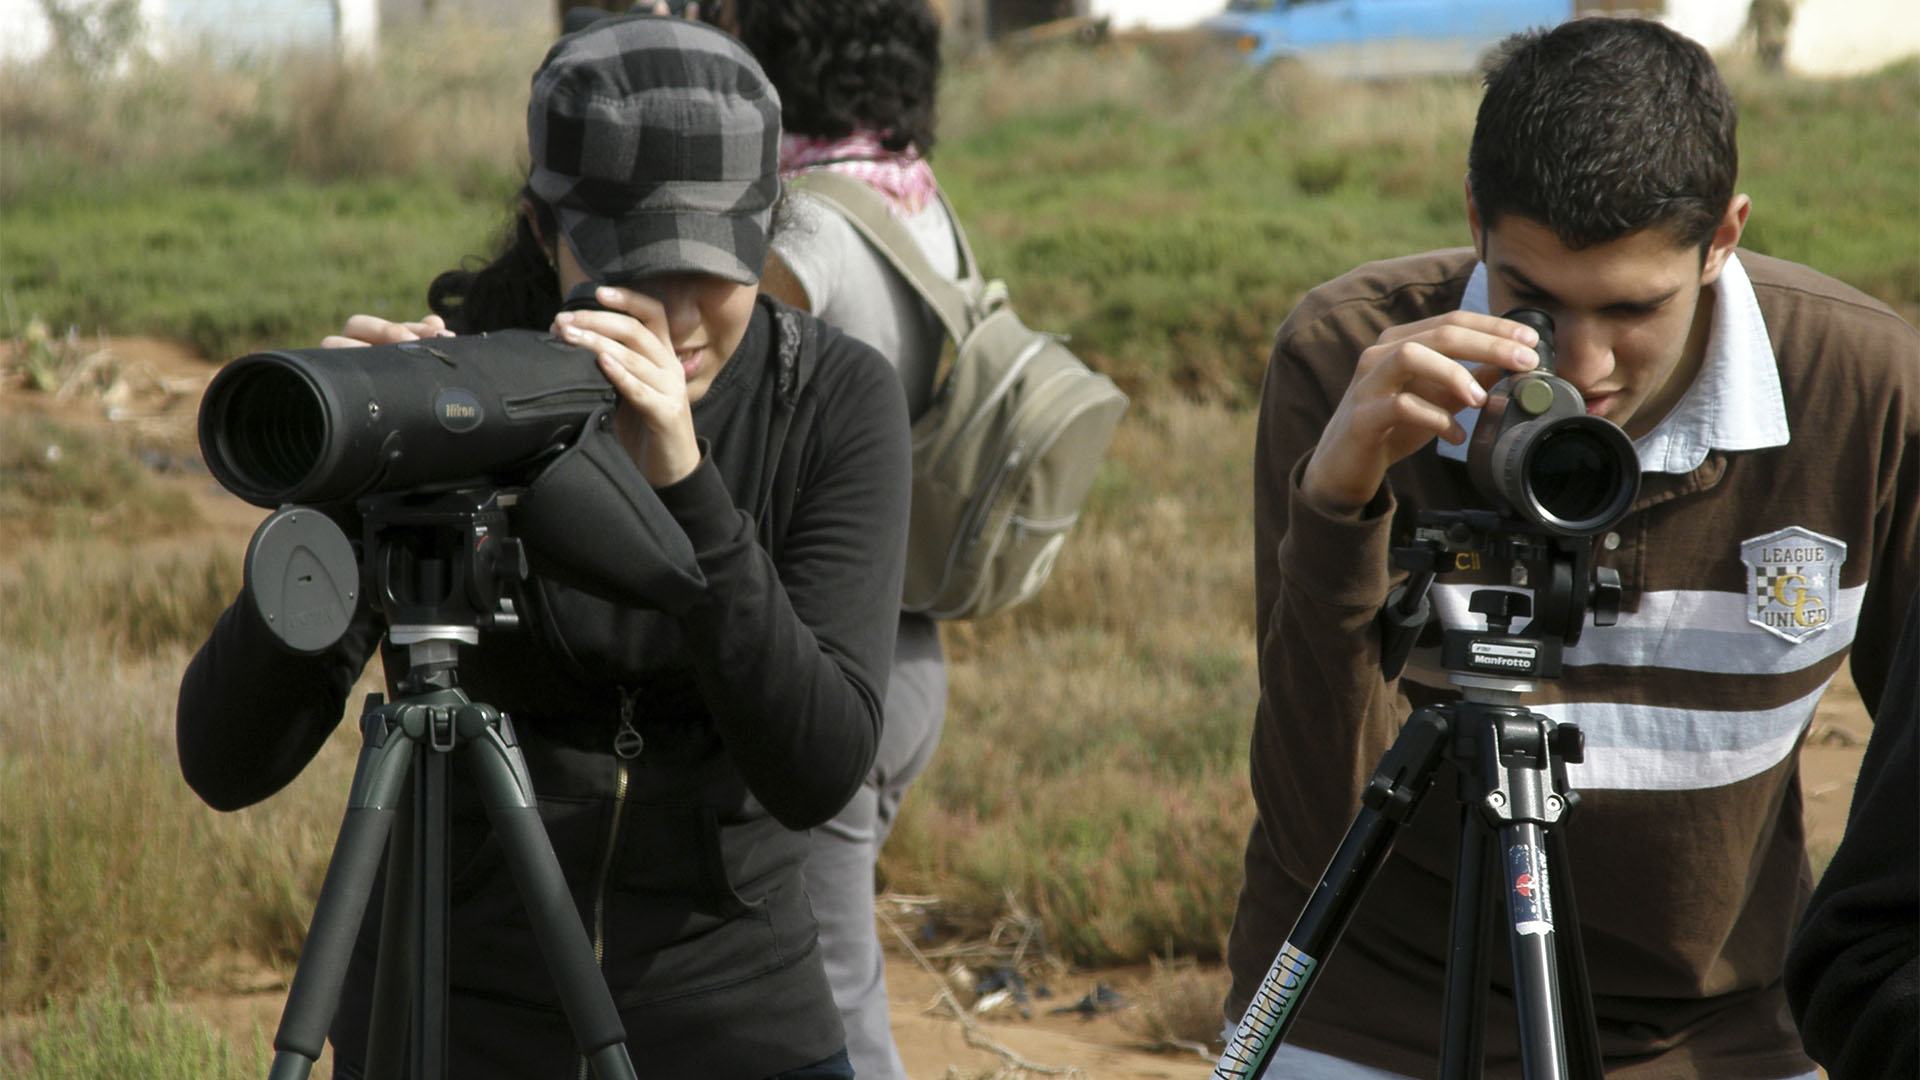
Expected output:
(1853, 972)
(792, 659)
(1326, 713)
(252, 713)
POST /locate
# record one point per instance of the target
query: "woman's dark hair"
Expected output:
(1602, 127)
(517, 290)
(847, 65)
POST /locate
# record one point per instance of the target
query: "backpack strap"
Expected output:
(956, 303)
(796, 356)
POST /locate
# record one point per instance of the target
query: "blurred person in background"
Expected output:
(857, 82)
(1775, 536)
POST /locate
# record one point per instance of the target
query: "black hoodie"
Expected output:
(758, 713)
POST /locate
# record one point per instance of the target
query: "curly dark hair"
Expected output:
(517, 290)
(847, 65)
(1602, 127)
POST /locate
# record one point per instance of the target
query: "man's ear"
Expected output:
(1726, 237)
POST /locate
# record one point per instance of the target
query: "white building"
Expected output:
(261, 26)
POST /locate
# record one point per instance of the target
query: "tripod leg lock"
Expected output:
(1406, 772)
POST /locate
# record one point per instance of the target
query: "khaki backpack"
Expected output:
(1007, 449)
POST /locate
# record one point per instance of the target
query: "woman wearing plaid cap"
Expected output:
(678, 759)
(857, 82)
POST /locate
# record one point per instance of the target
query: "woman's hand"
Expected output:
(654, 420)
(372, 330)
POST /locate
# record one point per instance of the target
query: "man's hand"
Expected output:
(373, 330)
(654, 420)
(1404, 392)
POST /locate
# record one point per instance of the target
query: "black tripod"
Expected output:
(439, 571)
(1514, 796)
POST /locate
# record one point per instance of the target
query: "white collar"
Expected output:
(1734, 403)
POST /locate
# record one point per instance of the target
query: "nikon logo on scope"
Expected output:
(457, 410)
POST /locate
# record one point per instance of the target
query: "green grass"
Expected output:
(109, 1032)
(236, 210)
(229, 266)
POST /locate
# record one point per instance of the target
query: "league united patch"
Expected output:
(1795, 576)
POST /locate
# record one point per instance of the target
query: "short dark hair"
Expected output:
(847, 65)
(1602, 127)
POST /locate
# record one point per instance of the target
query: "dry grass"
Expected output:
(65, 483)
(459, 104)
(1179, 1007)
(1093, 762)
(107, 860)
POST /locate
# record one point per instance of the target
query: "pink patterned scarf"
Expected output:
(902, 176)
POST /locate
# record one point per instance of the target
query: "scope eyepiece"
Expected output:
(1538, 455)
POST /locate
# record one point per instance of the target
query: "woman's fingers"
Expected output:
(374, 330)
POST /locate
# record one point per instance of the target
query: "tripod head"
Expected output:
(441, 566)
(1558, 567)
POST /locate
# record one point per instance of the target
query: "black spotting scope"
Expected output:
(321, 426)
(1538, 454)
(516, 409)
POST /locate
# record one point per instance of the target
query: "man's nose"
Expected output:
(1583, 354)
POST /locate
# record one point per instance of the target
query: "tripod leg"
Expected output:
(1536, 983)
(388, 1026)
(1393, 793)
(378, 778)
(1583, 1034)
(428, 1015)
(504, 787)
(1463, 1034)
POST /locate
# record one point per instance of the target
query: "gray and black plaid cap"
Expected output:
(657, 142)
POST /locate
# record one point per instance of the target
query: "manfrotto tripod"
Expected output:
(439, 568)
(1514, 797)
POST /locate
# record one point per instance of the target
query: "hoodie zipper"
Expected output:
(627, 745)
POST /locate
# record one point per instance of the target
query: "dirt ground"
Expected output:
(152, 389)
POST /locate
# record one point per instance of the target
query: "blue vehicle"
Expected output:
(1387, 38)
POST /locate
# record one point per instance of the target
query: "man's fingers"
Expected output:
(1492, 325)
(1406, 416)
(1414, 366)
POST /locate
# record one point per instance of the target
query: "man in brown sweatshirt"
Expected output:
(1776, 536)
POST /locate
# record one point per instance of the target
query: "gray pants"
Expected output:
(839, 869)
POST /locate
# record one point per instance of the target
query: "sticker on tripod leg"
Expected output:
(1527, 884)
(1276, 998)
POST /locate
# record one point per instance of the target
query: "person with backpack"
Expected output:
(857, 82)
(678, 758)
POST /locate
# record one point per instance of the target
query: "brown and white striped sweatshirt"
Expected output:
(1775, 537)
